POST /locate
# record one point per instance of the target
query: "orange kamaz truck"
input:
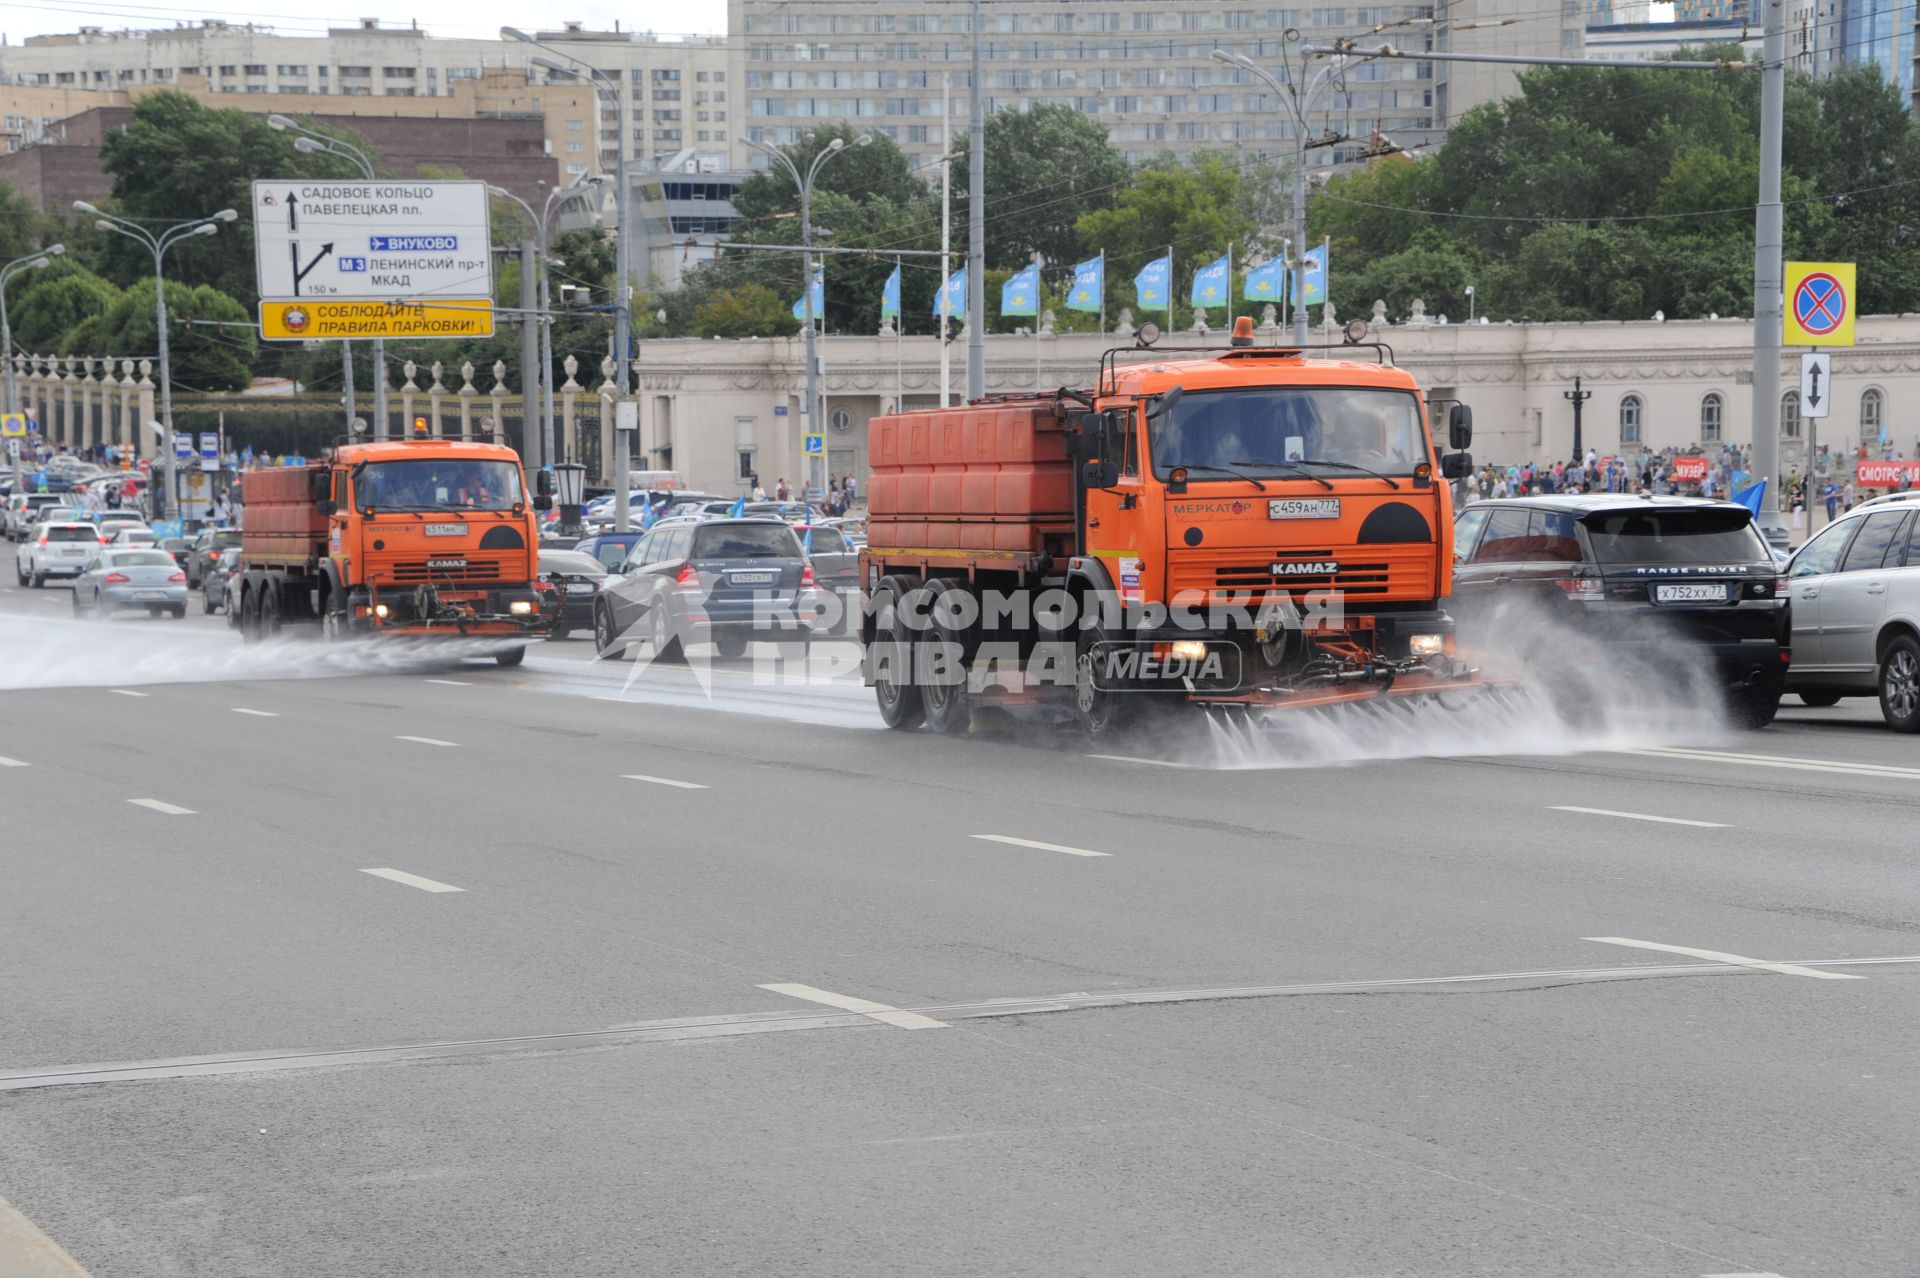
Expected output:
(1242, 528)
(408, 537)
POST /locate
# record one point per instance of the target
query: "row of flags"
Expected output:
(1153, 287)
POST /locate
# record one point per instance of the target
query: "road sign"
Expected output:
(182, 445)
(1820, 305)
(209, 450)
(13, 448)
(1816, 383)
(397, 240)
(13, 425)
(815, 445)
(306, 321)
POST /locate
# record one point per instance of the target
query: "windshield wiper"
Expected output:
(1228, 470)
(1321, 461)
(1287, 466)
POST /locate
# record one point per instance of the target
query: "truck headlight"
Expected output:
(520, 607)
(380, 610)
(1427, 645)
(1189, 649)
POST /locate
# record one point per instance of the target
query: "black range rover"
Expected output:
(1664, 578)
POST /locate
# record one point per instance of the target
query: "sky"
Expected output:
(462, 18)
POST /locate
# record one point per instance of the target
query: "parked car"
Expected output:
(610, 548)
(122, 577)
(215, 580)
(1650, 576)
(728, 580)
(207, 549)
(835, 560)
(1856, 612)
(56, 549)
(579, 578)
(855, 529)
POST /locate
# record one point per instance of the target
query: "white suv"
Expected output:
(1856, 612)
(56, 550)
(22, 509)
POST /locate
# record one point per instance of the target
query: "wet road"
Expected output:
(341, 962)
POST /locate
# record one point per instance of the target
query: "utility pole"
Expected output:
(977, 223)
(1767, 282)
(1577, 398)
(946, 239)
(531, 313)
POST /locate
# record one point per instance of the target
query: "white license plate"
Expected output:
(149, 594)
(1685, 592)
(1304, 508)
(580, 588)
(751, 578)
(446, 530)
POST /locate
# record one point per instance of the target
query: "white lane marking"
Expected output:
(1768, 1274)
(126, 692)
(1031, 843)
(258, 714)
(1641, 816)
(26, 1252)
(1733, 960)
(413, 880)
(678, 785)
(1128, 758)
(158, 806)
(1780, 761)
(872, 1011)
(432, 741)
(451, 683)
(5, 762)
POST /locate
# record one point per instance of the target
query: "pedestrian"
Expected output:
(848, 489)
(759, 493)
(781, 492)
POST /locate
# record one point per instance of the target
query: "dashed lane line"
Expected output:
(1641, 816)
(127, 692)
(5, 762)
(258, 714)
(1034, 843)
(1128, 758)
(432, 741)
(413, 880)
(451, 683)
(872, 1011)
(669, 781)
(1780, 761)
(157, 806)
(1732, 960)
(25, 1252)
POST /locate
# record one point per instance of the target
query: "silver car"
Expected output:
(117, 578)
(1856, 612)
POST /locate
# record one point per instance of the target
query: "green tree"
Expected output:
(1194, 208)
(749, 310)
(56, 299)
(177, 160)
(211, 338)
(877, 169)
(1045, 168)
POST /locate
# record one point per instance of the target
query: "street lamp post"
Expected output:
(31, 262)
(1300, 105)
(158, 246)
(309, 142)
(623, 268)
(805, 184)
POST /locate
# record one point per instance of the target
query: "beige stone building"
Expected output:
(715, 410)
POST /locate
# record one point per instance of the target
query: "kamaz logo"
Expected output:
(446, 563)
(1307, 568)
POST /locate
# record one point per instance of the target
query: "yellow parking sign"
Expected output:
(1820, 304)
(13, 425)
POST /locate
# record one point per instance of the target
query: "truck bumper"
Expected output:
(507, 611)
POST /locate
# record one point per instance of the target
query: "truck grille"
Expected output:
(418, 570)
(1379, 571)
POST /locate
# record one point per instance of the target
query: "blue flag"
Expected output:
(646, 516)
(890, 295)
(1751, 496)
(1266, 282)
(955, 295)
(806, 544)
(1316, 281)
(819, 299)
(739, 507)
(1020, 295)
(1211, 287)
(1153, 286)
(1089, 284)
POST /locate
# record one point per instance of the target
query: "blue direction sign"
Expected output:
(413, 243)
(182, 445)
(816, 445)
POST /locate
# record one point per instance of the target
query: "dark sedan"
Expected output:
(728, 580)
(216, 580)
(578, 577)
(207, 548)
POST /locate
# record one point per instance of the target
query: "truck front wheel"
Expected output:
(894, 689)
(510, 657)
(1104, 712)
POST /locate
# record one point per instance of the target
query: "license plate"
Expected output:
(1690, 592)
(580, 588)
(751, 578)
(149, 594)
(1304, 508)
(446, 530)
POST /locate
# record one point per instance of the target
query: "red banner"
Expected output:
(1689, 470)
(1886, 474)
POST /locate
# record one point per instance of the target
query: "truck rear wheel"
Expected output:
(894, 689)
(943, 677)
(249, 613)
(269, 622)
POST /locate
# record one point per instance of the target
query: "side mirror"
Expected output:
(325, 506)
(1457, 465)
(1101, 473)
(1165, 402)
(1460, 426)
(543, 485)
(543, 502)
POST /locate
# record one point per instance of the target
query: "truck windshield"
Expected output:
(1271, 430)
(440, 483)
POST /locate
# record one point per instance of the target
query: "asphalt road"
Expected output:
(324, 963)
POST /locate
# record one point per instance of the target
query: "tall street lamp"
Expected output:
(1300, 104)
(158, 246)
(311, 143)
(541, 222)
(31, 262)
(814, 425)
(568, 64)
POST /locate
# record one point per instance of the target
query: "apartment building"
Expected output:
(1143, 69)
